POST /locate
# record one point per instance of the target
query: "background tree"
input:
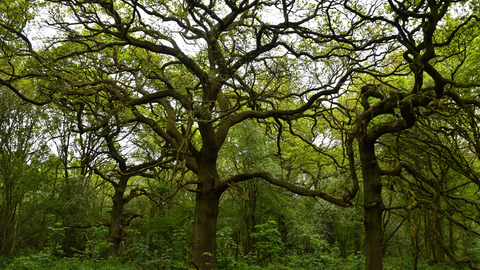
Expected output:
(21, 148)
(426, 34)
(387, 108)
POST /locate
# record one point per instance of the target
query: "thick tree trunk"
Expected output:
(373, 237)
(206, 210)
(373, 206)
(115, 227)
(205, 229)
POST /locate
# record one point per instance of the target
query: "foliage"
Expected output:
(166, 119)
(269, 238)
(226, 247)
(31, 263)
(96, 245)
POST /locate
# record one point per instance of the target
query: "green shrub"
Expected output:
(270, 241)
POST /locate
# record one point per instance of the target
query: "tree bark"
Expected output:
(209, 190)
(373, 205)
(205, 229)
(115, 227)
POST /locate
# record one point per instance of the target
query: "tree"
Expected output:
(387, 108)
(425, 36)
(189, 71)
(21, 146)
(120, 180)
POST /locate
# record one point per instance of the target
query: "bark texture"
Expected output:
(205, 228)
(373, 206)
(115, 227)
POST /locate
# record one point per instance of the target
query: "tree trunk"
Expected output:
(437, 222)
(206, 210)
(115, 227)
(416, 247)
(426, 237)
(16, 226)
(451, 242)
(373, 206)
(9, 210)
(440, 251)
(249, 214)
(205, 229)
